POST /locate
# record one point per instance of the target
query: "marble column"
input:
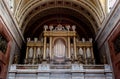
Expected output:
(92, 54)
(75, 54)
(34, 55)
(84, 52)
(69, 54)
(26, 57)
(44, 52)
(50, 47)
(27, 52)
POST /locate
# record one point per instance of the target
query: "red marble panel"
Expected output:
(4, 58)
(115, 56)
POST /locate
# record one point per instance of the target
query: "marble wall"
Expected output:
(13, 35)
(110, 25)
(44, 71)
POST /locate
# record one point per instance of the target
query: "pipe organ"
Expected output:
(59, 44)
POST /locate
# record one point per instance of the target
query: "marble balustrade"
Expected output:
(50, 71)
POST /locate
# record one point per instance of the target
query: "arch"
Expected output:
(59, 48)
(40, 6)
(69, 15)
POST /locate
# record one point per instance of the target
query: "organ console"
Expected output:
(63, 46)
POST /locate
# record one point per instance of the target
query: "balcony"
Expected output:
(50, 71)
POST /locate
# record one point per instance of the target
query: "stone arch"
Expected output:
(40, 6)
(59, 48)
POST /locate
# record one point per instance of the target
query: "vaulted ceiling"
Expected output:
(32, 15)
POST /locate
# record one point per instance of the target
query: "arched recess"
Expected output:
(59, 48)
(24, 6)
(34, 17)
(33, 9)
(51, 16)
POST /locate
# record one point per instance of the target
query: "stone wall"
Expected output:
(109, 26)
(10, 31)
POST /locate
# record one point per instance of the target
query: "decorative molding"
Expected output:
(11, 25)
(37, 6)
(110, 23)
(4, 58)
(114, 50)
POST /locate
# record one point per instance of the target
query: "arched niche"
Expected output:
(59, 49)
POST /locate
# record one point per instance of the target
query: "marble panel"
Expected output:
(77, 75)
(11, 76)
(94, 76)
(43, 76)
(60, 76)
(26, 76)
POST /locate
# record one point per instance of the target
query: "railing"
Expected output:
(68, 71)
(27, 66)
(51, 67)
(93, 66)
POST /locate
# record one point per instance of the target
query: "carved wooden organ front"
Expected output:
(59, 44)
